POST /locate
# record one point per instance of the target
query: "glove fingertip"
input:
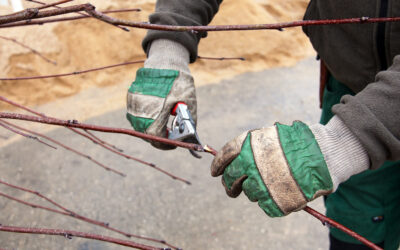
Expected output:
(236, 188)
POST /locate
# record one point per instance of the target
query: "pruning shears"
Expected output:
(183, 127)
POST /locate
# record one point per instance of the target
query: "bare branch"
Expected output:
(45, 6)
(76, 124)
(29, 48)
(277, 26)
(82, 14)
(72, 73)
(62, 19)
(69, 234)
(25, 135)
(35, 13)
(93, 139)
(66, 147)
(327, 221)
(221, 58)
(72, 214)
(96, 141)
(102, 141)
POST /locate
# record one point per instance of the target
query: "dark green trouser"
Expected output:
(368, 203)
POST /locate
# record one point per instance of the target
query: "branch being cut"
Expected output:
(72, 214)
(69, 234)
(72, 73)
(29, 48)
(76, 124)
(62, 19)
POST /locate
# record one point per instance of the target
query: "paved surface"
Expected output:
(146, 202)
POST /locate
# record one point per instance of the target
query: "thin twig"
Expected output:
(129, 157)
(66, 147)
(93, 139)
(29, 48)
(82, 14)
(45, 6)
(72, 73)
(276, 26)
(25, 135)
(102, 141)
(61, 19)
(221, 58)
(76, 124)
(69, 234)
(72, 214)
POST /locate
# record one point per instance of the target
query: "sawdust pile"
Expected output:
(84, 44)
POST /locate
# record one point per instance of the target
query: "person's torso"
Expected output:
(355, 53)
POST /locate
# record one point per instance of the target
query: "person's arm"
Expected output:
(165, 78)
(185, 13)
(373, 115)
(284, 167)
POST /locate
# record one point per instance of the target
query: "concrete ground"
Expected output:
(146, 202)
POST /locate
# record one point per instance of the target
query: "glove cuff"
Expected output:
(343, 152)
(167, 54)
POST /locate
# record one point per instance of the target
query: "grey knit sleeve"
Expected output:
(373, 115)
(181, 12)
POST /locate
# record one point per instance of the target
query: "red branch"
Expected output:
(35, 13)
(277, 26)
(72, 214)
(62, 19)
(69, 234)
(75, 124)
(72, 73)
(327, 221)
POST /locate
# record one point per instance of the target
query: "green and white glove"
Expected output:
(284, 167)
(164, 81)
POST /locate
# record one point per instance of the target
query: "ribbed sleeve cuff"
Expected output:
(167, 54)
(343, 152)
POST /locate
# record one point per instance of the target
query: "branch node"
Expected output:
(68, 236)
(364, 19)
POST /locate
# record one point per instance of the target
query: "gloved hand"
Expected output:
(284, 167)
(164, 81)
